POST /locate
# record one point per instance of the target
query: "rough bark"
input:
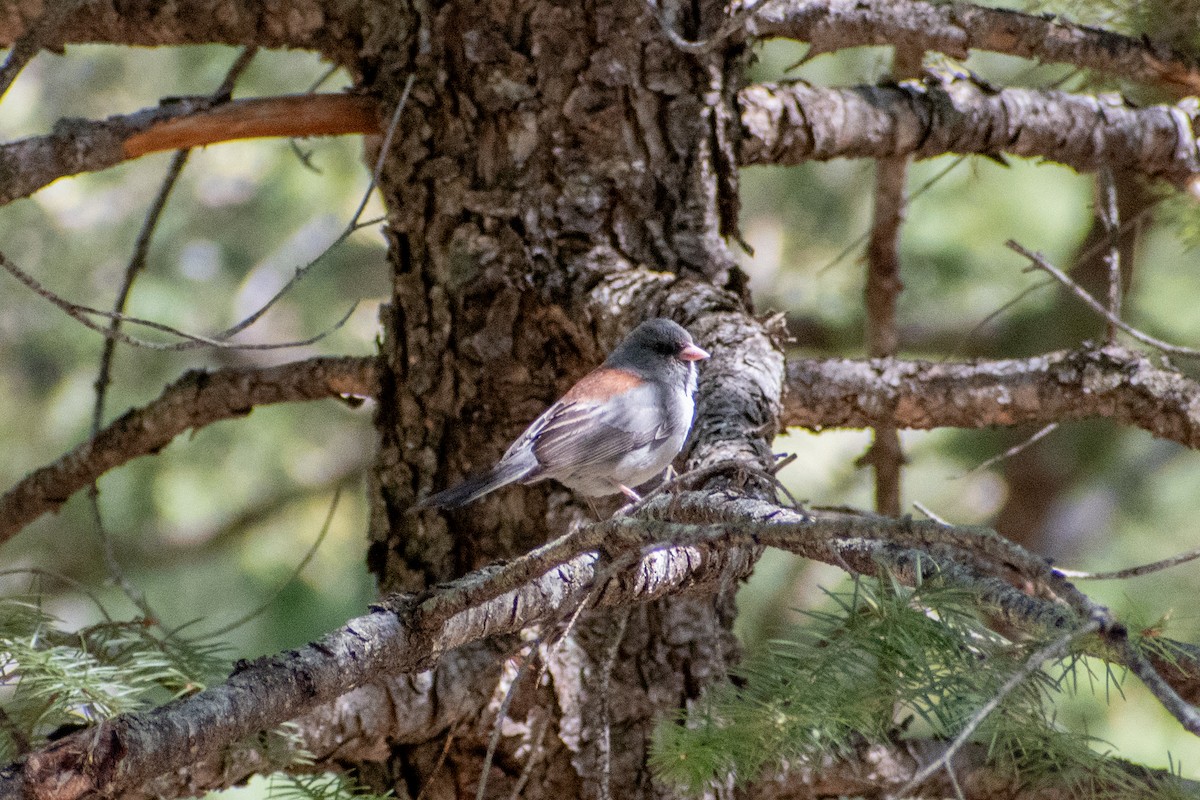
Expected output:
(683, 546)
(337, 28)
(780, 124)
(958, 28)
(558, 175)
(1110, 382)
(793, 123)
(1113, 383)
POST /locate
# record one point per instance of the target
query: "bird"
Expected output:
(618, 427)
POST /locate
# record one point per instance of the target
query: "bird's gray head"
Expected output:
(658, 348)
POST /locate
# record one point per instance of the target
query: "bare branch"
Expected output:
(328, 28)
(794, 123)
(352, 226)
(782, 124)
(1110, 217)
(682, 543)
(1113, 383)
(1039, 261)
(957, 28)
(1133, 572)
(892, 765)
(1109, 383)
(953, 28)
(195, 400)
(1016, 449)
(881, 294)
(78, 146)
(190, 341)
(32, 39)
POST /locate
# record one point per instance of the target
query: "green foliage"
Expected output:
(325, 786)
(887, 662)
(52, 680)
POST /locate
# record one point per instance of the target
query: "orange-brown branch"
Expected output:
(292, 116)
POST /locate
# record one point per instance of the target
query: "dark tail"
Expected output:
(476, 487)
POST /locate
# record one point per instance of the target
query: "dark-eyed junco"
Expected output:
(617, 428)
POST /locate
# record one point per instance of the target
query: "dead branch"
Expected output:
(954, 29)
(329, 28)
(958, 28)
(1038, 261)
(794, 123)
(78, 146)
(195, 400)
(1111, 382)
(365, 723)
(781, 124)
(881, 293)
(672, 552)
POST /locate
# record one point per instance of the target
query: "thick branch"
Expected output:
(590, 566)
(781, 124)
(791, 124)
(335, 29)
(1110, 383)
(78, 146)
(957, 28)
(361, 725)
(195, 400)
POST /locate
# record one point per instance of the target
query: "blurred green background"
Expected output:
(216, 525)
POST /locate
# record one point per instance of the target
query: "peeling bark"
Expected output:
(1111, 382)
(794, 123)
(958, 28)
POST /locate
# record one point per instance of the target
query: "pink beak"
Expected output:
(692, 353)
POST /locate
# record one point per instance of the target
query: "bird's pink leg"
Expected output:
(630, 493)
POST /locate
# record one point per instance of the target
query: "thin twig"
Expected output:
(78, 586)
(606, 668)
(30, 43)
(111, 565)
(351, 227)
(1032, 665)
(428, 779)
(82, 314)
(1183, 711)
(919, 506)
(137, 263)
(225, 90)
(1010, 452)
(1133, 572)
(1110, 219)
(862, 237)
(694, 476)
(1021, 295)
(279, 590)
(501, 715)
(1039, 261)
(958, 792)
(535, 755)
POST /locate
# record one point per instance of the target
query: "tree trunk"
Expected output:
(545, 154)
